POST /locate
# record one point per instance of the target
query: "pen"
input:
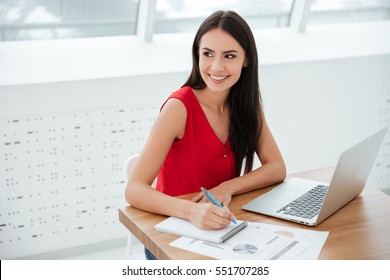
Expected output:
(213, 200)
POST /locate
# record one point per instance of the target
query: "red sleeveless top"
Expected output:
(199, 158)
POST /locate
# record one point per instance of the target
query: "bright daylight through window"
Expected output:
(56, 19)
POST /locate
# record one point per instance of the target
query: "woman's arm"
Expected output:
(271, 171)
(169, 125)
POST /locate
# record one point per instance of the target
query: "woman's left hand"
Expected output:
(219, 192)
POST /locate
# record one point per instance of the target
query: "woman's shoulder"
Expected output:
(184, 96)
(184, 93)
(174, 113)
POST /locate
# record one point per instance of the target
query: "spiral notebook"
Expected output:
(182, 227)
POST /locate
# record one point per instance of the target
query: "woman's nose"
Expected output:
(218, 65)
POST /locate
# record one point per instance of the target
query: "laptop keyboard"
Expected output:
(307, 205)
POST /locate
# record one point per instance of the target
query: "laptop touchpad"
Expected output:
(282, 194)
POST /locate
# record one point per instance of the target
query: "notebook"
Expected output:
(287, 200)
(182, 227)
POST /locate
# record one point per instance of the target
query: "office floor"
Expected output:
(118, 253)
(386, 191)
(106, 250)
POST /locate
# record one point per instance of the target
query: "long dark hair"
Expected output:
(244, 97)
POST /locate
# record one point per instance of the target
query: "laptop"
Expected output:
(310, 202)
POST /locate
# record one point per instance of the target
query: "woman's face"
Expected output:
(221, 59)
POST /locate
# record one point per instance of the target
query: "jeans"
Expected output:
(149, 256)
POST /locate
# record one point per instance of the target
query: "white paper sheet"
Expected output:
(260, 241)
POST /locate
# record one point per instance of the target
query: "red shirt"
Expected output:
(199, 158)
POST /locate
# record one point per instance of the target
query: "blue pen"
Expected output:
(213, 200)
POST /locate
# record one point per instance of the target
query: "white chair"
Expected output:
(129, 165)
(132, 241)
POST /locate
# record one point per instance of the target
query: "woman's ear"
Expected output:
(245, 63)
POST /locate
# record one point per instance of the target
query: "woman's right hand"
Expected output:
(209, 216)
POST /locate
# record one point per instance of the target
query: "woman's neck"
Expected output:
(216, 101)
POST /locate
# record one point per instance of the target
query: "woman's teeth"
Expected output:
(218, 78)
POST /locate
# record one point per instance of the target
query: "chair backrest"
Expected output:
(129, 166)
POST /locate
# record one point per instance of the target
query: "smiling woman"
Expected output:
(207, 129)
(221, 60)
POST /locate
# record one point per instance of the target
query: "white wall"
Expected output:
(63, 142)
(63, 146)
(318, 109)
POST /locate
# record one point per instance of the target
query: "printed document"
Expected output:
(260, 242)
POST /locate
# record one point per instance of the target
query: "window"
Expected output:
(335, 11)
(185, 16)
(51, 19)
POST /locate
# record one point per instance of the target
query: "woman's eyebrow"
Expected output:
(228, 51)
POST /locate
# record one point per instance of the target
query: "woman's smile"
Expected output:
(218, 78)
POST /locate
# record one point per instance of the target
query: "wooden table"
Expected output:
(359, 230)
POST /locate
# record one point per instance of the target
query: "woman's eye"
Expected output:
(208, 54)
(230, 56)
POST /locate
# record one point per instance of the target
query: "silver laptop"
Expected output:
(310, 202)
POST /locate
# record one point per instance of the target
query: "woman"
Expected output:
(208, 131)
